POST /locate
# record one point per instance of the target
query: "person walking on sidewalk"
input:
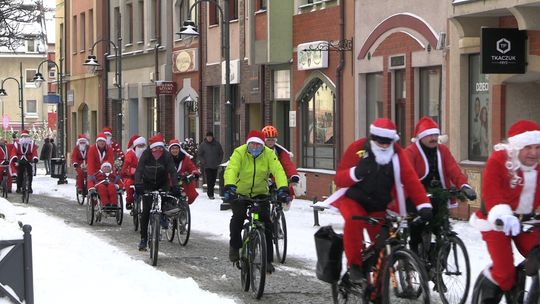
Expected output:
(45, 155)
(211, 155)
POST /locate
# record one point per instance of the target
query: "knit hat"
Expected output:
(25, 133)
(82, 139)
(106, 164)
(107, 131)
(101, 136)
(157, 141)
(425, 127)
(256, 136)
(384, 127)
(523, 133)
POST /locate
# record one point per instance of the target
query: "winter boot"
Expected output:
(142, 245)
(234, 255)
(356, 274)
(270, 268)
(490, 293)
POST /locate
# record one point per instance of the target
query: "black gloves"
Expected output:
(139, 189)
(92, 192)
(469, 193)
(5, 163)
(176, 190)
(229, 193)
(36, 160)
(425, 213)
(295, 179)
(362, 169)
(283, 195)
(75, 166)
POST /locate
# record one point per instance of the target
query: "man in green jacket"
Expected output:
(247, 174)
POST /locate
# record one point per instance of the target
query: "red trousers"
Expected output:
(499, 247)
(107, 194)
(80, 178)
(129, 191)
(353, 232)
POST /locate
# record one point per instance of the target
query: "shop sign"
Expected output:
(503, 51)
(165, 88)
(51, 98)
(312, 55)
(185, 61)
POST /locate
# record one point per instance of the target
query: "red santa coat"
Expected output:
(500, 198)
(79, 157)
(289, 167)
(186, 167)
(7, 153)
(130, 165)
(449, 172)
(27, 152)
(96, 158)
(406, 183)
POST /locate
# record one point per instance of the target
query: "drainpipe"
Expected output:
(339, 81)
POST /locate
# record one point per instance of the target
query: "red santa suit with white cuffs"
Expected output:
(106, 184)
(130, 166)
(79, 159)
(7, 154)
(507, 192)
(96, 156)
(404, 184)
(449, 171)
(185, 166)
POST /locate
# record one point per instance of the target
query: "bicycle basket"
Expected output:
(329, 245)
(170, 206)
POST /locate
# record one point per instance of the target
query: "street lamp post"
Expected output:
(39, 79)
(92, 63)
(190, 29)
(20, 87)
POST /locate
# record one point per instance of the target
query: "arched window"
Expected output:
(318, 135)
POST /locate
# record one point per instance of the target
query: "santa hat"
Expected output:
(101, 136)
(130, 142)
(425, 127)
(82, 139)
(107, 131)
(106, 164)
(384, 127)
(256, 136)
(176, 142)
(523, 133)
(136, 140)
(25, 133)
(157, 141)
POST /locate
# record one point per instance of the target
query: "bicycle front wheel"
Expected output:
(153, 237)
(257, 262)
(120, 211)
(280, 236)
(404, 279)
(90, 210)
(135, 212)
(453, 272)
(26, 189)
(183, 228)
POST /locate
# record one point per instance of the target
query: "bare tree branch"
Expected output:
(20, 20)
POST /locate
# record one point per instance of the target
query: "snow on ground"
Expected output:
(64, 278)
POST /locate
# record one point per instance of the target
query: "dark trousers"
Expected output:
(24, 166)
(237, 222)
(145, 216)
(47, 163)
(210, 175)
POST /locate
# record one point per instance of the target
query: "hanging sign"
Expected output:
(165, 88)
(503, 50)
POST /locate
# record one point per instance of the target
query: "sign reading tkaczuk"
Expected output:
(503, 51)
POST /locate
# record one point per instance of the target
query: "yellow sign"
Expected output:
(185, 61)
(475, 180)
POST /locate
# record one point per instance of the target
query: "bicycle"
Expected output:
(154, 221)
(394, 274)
(279, 229)
(519, 293)
(446, 259)
(4, 184)
(95, 212)
(25, 183)
(81, 196)
(179, 222)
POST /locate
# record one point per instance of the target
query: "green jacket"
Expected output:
(250, 175)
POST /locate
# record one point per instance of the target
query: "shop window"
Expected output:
(374, 97)
(479, 111)
(430, 93)
(318, 126)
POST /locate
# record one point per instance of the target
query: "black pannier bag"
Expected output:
(329, 245)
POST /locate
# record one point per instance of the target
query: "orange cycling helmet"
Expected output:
(270, 132)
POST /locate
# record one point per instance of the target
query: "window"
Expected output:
(318, 127)
(129, 23)
(183, 13)
(260, 5)
(74, 40)
(233, 10)
(374, 97)
(282, 84)
(82, 29)
(31, 107)
(213, 14)
(400, 99)
(154, 20)
(478, 111)
(30, 73)
(216, 109)
(141, 20)
(90, 28)
(31, 46)
(430, 93)
(117, 24)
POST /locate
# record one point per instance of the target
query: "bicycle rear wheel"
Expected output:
(120, 210)
(90, 210)
(153, 237)
(135, 212)
(453, 272)
(404, 279)
(280, 236)
(257, 262)
(183, 228)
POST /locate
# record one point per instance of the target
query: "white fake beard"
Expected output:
(109, 140)
(26, 140)
(139, 151)
(382, 156)
(82, 147)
